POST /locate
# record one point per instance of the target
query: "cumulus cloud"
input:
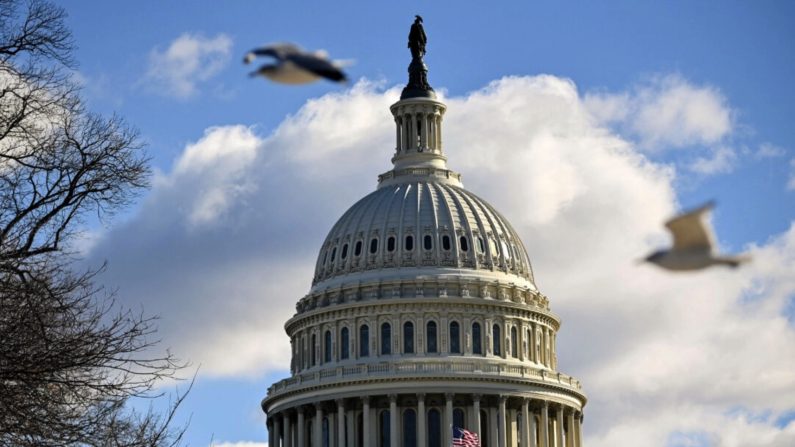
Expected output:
(226, 242)
(187, 62)
(721, 161)
(666, 112)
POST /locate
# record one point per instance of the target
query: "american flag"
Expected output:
(465, 438)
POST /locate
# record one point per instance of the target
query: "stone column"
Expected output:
(525, 436)
(439, 134)
(501, 423)
(301, 428)
(447, 439)
(288, 431)
(393, 418)
(365, 421)
(397, 134)
(340, 422)
(533, 428)
(318, 426)
(544, 429)
(570, 436)
(578, 430)
(270, 431)
(423, 118)
(277, 431)
(559, 427)
(476, 411)
(421, 431)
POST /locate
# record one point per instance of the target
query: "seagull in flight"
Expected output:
(293, 65)
(694, 242)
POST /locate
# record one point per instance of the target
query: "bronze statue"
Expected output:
(417, 39)
(418, 86)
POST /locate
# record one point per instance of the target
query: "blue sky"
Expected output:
(722, 70)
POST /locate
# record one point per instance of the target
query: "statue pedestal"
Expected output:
(418, 86)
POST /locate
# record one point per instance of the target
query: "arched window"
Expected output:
(409, 244)
(477, 339)
(446, 242)
(484, 429)
(408, 337)
(430, 335)
(497, 339)
(383, 429)
(344, 343)
(357, 249)
(458, 418)
(390, 244)
(344, 253)
(527, 344)
(386, 339)
(538, 346)
(481, 245)
(364, 341)
(434, 428)
(427, 242)
(455, 338)
(514, 343)
(333, 254)
(373, 245)
(409, 428)
(464, 243)
(327, 347)
(314, 349)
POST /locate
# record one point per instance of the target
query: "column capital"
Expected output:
(299, 410)
(476, 397)
(319, 406)
(366, 400)
(503, 398)
(420, 397)
(340, 402)
(546, 405)
(449, 396)
(392, 398)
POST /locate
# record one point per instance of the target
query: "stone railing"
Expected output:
(427, 368)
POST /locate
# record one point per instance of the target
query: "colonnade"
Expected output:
(419, 131)
(426, 420)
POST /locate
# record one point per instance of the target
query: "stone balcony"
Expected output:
(438, 369)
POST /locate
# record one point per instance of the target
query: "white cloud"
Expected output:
(768, 150)
(666, 112)
(721, 161)
(664, 358)
(791, 181)
(188, 61)
(239, 444)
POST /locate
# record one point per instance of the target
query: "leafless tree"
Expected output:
(70, 358)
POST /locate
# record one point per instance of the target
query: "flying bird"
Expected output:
(293, 65)
(694, 243)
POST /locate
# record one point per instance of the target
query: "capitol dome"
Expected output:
(423, 317)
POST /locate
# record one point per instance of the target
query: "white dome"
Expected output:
(421, 226)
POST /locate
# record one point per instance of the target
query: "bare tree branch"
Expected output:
(70, 358)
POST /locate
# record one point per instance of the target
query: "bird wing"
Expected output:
(317, 65)
(691, 231)
(278, 50)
